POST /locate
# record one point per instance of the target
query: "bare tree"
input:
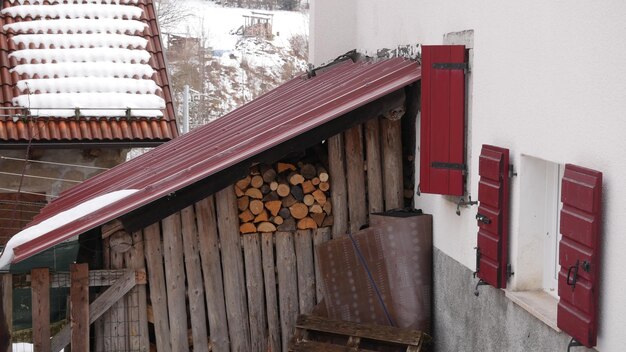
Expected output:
(171, 12)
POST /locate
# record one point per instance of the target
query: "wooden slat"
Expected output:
(374, 173)
(156, 279)
(320, 235)
(254, 285)
(195, 286)
(306, 271)
(271, 299)
(391, 132)
(339, 196)
(314, 346)
(287, 285)
(175, 280)
(212, 273)
(118, 338)
(366, 331)
(357, 205)
(6, 312)
(79, 307)
(232, 267)
(98, 307)
(97, 278)
(139, 338)
(40, 289)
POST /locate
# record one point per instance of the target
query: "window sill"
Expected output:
(538, 303)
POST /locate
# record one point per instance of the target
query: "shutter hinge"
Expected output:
(509, 271)
(451, 66)
(477, 262)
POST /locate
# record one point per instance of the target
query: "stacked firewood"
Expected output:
(284, 197)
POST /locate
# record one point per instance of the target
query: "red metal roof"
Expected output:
(123, 131)
(280, 115)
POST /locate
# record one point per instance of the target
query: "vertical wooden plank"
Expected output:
(374, 173)
(392, 163)
(287, 285)
(6, 312)
(119, 328)
(79, 307)
(212, 273)
(254, 285)
(156, 280)
(232, 266)
(357, 206)
(320, 235)
(306, 271)
(175, 278)
(271, 300)
(139, 339)
(195, 287)
(338, 183)
(40, 288)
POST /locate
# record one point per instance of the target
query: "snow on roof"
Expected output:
(89, 55)
(78, 25)
(59, 220)
(54, 2)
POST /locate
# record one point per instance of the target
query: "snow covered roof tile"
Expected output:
(83, 61)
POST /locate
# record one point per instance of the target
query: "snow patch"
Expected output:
(82, 55)
(58, 221)
(78, 25)
(85, 69)
(74, 11)
(69, 41)
(88, 85)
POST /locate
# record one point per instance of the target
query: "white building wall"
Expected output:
(548, 80)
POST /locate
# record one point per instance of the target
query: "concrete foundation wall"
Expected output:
(489, 322)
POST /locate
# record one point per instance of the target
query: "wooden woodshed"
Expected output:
(181, 275)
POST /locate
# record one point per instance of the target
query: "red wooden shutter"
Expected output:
(579, 252)
(493, 216)
(442, 144)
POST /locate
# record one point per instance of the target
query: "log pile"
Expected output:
(284, 197)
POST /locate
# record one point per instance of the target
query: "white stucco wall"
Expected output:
(548, 80)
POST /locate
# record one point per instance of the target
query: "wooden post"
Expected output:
(374, 173)
(118, 338)
(256, 295)
(320, 235)
(357, 205)
(338, 180)
(269, 278)
(287, 286)
(175, 278)
(139, 339)
(212, 273)
(306, 271)
(79, 307)
(232, 266)
(6, 312)
(158, 294)
(392, 159)
(195, 287)
(40, 287)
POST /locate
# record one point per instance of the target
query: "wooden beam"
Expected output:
(357, 204)
(118, 337)
(256, 296)
(374, 173)
(195, 287)
(175, 280)
(392, 163)
(98, 307)
(271, 299)
(97, 278)
(306, 271)
(40, 288)
(158, 294)
(111, 227)
(339, 196)
(232, 266)
(287, 285)
(320, 235)
(212, 273)
(79, 307)
(139, 338)
(6, 312)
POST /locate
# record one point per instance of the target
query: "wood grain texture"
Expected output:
(6, 312)
(271, 299)
(79, 307)
(374, 173)
(40, 290)
(306, 271)
(391, 132)
(256, 293)
(212, 273)
(287, 285)
(134, 258)
(339, 196)
(320, 235)
(357, 204)
(118, 338)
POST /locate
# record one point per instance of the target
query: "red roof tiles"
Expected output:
(123, 131)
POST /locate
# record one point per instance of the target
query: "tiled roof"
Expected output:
(205, 155)
(123, 130)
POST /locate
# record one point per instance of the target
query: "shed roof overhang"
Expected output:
(210, 158)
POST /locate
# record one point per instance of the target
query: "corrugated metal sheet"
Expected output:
(277, 116)
(93, 130)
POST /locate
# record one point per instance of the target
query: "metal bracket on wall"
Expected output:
(464, 203)
(573, 343)
(480, 282)
(512, 172)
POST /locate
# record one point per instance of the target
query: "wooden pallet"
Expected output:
(309, 326)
